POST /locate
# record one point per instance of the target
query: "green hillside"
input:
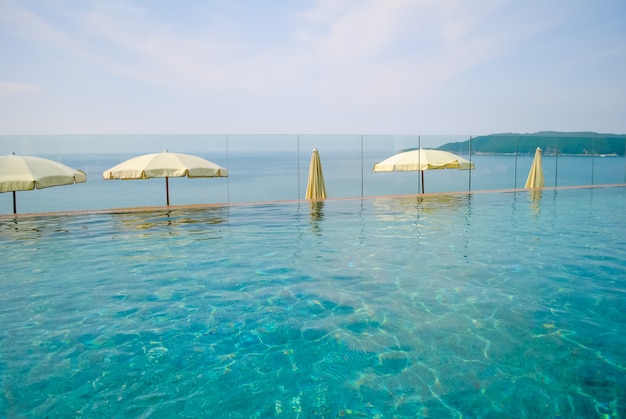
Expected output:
(578, 143)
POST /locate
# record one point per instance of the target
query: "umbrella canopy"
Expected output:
(25, 173)
(535, 176)
(422, 159)
(315, 188)
(164, 165)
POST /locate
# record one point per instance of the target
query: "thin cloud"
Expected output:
(15, 89)
(27, 25)
(340, 47)
(321, 66)
(155, 53)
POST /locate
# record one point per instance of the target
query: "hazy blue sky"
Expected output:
(328, 66)
(215, 143)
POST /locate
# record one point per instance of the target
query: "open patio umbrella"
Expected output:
(422, 159)
(164, 165)
(535, 176)
(315, 188)
(25, 173)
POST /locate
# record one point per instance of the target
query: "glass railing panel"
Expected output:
(341, 163)
(271, 167)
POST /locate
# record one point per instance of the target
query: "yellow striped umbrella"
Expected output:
(535, 176)
(315, 189)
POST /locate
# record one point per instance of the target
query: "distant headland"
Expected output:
(551, 143)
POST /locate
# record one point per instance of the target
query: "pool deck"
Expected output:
(238, 204)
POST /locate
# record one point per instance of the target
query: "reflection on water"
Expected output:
(32, 227)
(189, 219)
(35, 227)
(317, 210)
(442, 307)
(317, 215)
(416, 205)
(535, 199)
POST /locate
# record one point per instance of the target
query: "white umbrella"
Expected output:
(25, 173)
(423, 159)
(165, 165)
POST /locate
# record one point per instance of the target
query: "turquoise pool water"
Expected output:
(475, 306)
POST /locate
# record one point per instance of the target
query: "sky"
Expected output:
(430, 67)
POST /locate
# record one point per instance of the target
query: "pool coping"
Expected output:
(128, 210)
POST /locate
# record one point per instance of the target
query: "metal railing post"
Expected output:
(227, 177)
(361, 165)
(515, 171)
(470, 160)
(624, 160)
(556, 166)
(419, 164)
(593, 157)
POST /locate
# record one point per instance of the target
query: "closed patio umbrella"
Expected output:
(25, 173)
(165, 165)
(422, 159)
(535, 176)
(315, 189)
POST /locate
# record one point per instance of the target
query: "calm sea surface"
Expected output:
(264, 176)
(499, 305)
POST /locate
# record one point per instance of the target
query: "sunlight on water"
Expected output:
(485, 305)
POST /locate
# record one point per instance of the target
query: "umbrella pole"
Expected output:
(14, 207)
(167, 190)
(422, 181)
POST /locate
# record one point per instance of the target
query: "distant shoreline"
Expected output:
(552, 144)
(485, 153)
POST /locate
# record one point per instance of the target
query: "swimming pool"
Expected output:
(480, 305)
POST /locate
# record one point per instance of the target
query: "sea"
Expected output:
(398, 305)
(278, 175)
(487, 305)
